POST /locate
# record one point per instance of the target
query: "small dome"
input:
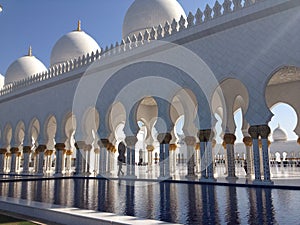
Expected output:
(279, 134)
(145, 14)
(73, 45)
(24, 67)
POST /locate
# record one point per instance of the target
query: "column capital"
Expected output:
(26, 149)
(150, 148)
(264, 131)
(164, 138)
(103, 142)
(229, 139)
(197, 147)
(247, 141)
(48, 152)
(253, 131)
(80, 144)
(69, 152)
(87, 148)
(97, 150)
(14, 150)
(190, 140)
(41, 148)
(60, 146)
(172, 147)
(298, 141)
(205, 135)
(3, 150)
(131, 140)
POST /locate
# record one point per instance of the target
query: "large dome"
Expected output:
(72, 45)
(279, 134)
(145, 14)
(24, 67)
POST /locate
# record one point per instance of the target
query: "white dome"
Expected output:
(145, 14)
(72, 45)
(279, 134)
(24, 67)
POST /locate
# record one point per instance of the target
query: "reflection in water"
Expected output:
(179, 203)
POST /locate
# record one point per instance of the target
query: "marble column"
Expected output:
(198, 158)
(48, 154)
(229, 140)
(13, 164)
(3, 152)
(87, 150)
(249, 158)
(69, 154)
(109, 157)
(164, 160)
(150, 149)
(131, 142)
(206, 149)
(80, 145)
(60, 150)
(40, 162)
(254, 133)
(264, 131)
(96, 161)
(103, 143)
(173, 148)
(190, 142)
(26, 159)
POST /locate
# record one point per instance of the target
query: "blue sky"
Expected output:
(40, 23)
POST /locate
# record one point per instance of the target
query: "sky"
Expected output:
(40, 23)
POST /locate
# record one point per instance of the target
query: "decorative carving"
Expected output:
(150, 148)
(190, 20)
(174, 26)
(87, 148)
(3, 150)
(205, 135)
(14, 150)
(198, 16)
(131, 140)
(146, 36)
(190, 140)
(26, 149)
(140, 37)
(253, 131)
(298, 141)
(207, 13)
(152, 34)
(60, 146)
(173, 147)
(197, 147)
(182, 22)
(41, 148)
(167, 29)
(217, 9)
(237, 4)
(247, 141)
(164, 138)
(227, 6)
(159, 32)
(264, 131)
(103, 143)
(97, 151)
(229, 139)
(80, 145)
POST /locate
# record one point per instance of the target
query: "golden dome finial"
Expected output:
(30, 51)
(79, 25)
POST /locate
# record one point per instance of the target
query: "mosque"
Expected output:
(70, 116)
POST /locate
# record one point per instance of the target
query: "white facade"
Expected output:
(212, 62)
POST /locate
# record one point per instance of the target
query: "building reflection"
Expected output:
(209, 204)
(129, 206)
(232, 213)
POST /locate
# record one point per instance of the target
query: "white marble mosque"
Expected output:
(67, 118)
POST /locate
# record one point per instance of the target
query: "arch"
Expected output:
(283, 86)
(34, 131)
(69, 127)
(19, 134)
(231, 95)
(49, 132)
(7, 135)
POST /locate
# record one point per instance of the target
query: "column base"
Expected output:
(25, 173)
(58, 175)
(39, 174)
(258, 182)
(191, 177)
(232, 179)
(267, 182)
(164, 178)
(209, 180)
(13, 173)
(129, 177)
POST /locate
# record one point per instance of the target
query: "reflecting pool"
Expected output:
(171, 202)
